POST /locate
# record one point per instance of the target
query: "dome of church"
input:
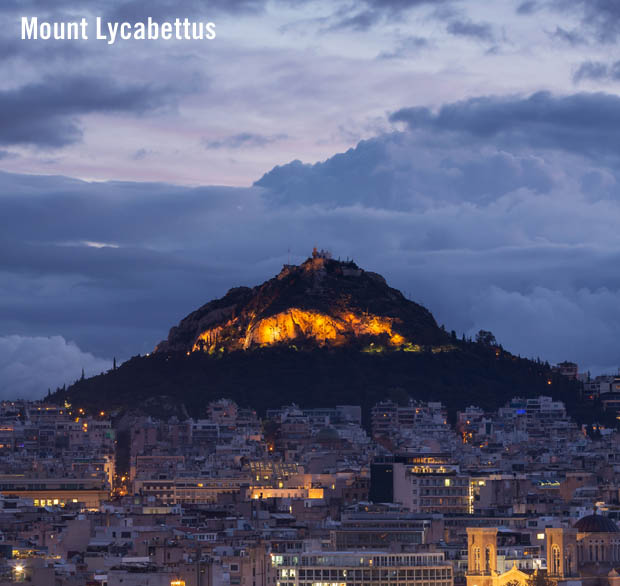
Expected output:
(596, 524)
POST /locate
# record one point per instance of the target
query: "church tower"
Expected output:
(561, 553)
(481, 556)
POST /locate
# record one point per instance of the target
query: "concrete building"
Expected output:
(362, 567)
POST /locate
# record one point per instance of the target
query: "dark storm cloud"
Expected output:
(95, 209)
(601, 18)
(112, 265)
(9, 48)
(132, 8)
(573, 37)
(597, 71)
(45, 113)
(360, 21)
(164, 9)
(243, 139)
(582, 123)
(384, 173)
(364, 15)
(159, 9)
(376, 171)
(466, 28)
(401, 5)
(27, 6)
(90, 259)
(396, 7)
(527, 7)
(43, 52)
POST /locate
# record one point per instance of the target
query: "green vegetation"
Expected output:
(393, 348)
(471, 374)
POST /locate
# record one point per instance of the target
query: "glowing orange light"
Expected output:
(299, 323)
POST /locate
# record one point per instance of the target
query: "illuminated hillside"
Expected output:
(322, 302)
(298, 324)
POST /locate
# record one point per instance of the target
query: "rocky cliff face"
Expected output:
(322, 302)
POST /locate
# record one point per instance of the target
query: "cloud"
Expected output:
(482, 31)
(44, 113)
(523, 317)
(527, 7)
(243, 140)
(475, 150)
(597, 71)
(579, 123)
(163, 9)
(600, 18)
(402, 5)
(364, 15)
(41, 52)
(385, 173)
(349, 15)
(572, 37)
(359, 21)
(405, 48)
(29, 366)
(134, 9)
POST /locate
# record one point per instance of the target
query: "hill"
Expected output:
(323, 333)
(322, 302)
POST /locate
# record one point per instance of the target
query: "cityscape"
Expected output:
(521, 495)
(309, 293)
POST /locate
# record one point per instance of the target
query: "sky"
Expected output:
(467, 150)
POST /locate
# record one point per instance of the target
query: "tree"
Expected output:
(486, 338)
